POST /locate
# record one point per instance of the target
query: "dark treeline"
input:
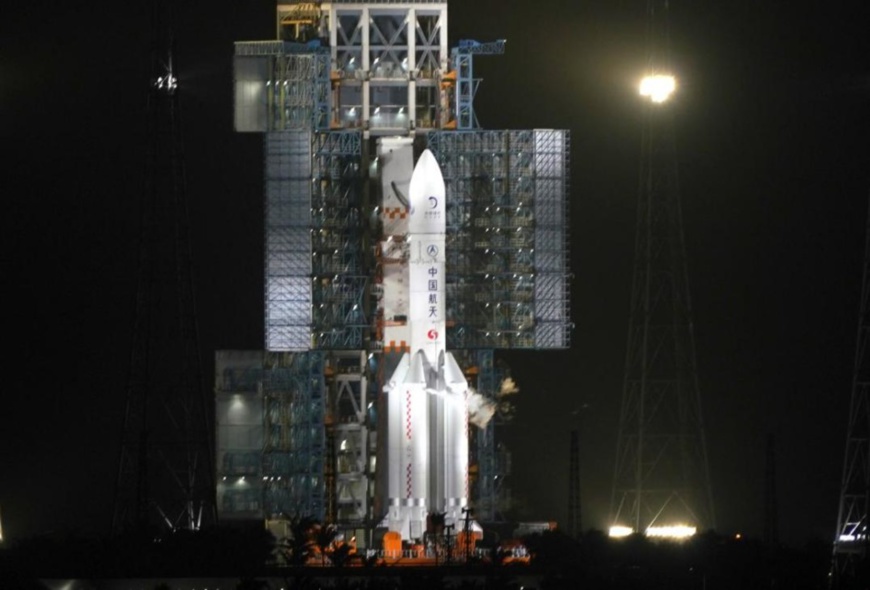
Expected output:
(706, 562)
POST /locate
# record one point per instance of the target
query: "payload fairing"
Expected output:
(427, 394)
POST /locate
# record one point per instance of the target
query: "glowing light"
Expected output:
(658, 87)
(618, 531)
(167, 82)
(677, 531)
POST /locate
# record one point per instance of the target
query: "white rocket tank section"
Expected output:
(427, 395)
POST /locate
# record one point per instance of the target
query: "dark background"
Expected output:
(772, 125)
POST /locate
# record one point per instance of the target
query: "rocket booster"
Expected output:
(427, 394)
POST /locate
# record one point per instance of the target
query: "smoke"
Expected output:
(480, 409)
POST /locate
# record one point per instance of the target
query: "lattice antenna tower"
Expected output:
(661, 476)
(165, 476)
(852, 543)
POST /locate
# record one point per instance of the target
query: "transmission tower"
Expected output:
(661, 477)
(852, 542)
(165, 474)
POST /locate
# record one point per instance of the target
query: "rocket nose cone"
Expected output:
(426, 191)
(417, 371)
(427, 164)
(452, 373)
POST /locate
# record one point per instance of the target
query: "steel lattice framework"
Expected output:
(343, 76)
(507, 265)
(661, 475)
(852, 542)
(165, 478)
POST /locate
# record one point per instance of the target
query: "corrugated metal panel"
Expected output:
(507, 214)
(288, 240)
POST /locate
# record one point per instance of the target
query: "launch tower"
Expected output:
(346, 98)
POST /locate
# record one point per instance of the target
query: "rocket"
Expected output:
(427, 394)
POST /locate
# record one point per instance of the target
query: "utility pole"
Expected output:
(661, 477)
(165, 478)
(771, 520)
(575, 508)
(575, 526)
(851, 550)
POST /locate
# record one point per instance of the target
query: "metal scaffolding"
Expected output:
(288, 240)
(270, 419)
(339, 274)
(387, 59)
(352, 419)
(507, 266)
(239, 418)
(492, 461)
(294, 394)
(281, 85)
(342, 73)
(462, 57)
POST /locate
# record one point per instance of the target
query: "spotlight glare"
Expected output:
(618, 531)
(658, 87)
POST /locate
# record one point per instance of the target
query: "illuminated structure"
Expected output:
(346, 98)
(661, 482)
(852, 542)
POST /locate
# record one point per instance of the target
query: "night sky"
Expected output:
(773, 134)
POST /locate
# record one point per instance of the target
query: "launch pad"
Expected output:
(385, 301)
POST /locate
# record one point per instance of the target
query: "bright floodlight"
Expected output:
(617, 531)
(658, 87)
(678, 531)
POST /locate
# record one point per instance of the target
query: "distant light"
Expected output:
(677, 531)
(658, 87)
(738, 536)
(618, 532)
(167, 82)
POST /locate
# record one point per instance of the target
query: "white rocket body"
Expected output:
(427, 395)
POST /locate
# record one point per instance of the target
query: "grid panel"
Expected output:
(288, 242)
(507, 260)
